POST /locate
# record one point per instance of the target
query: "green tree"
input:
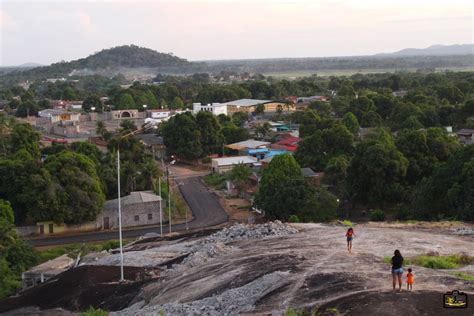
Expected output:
(322, 108)
(239, 175)
(262, 130)
(351, 122)
(233, 134)
(177, 103)
(310, 124)
(81, 195)
(210, 131)
(448, 192)
(27, 108)
(126, 102)
(282, 188)
(24, 137)
(260, 109)
(239, 118)
(181, 137)
(316, 150)
(15, 255)
(127, 126)
(92, 101)
(376, 171)
(320, 205)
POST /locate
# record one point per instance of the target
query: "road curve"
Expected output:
(204, 205)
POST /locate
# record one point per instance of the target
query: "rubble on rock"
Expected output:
(230, 302)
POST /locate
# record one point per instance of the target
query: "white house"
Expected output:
(214, 108)
(221, 165)
(57, 115)
(159, 114)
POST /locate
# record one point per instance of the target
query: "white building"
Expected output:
(214, 108)
(159, 114)
(221, 165)
(57, 115)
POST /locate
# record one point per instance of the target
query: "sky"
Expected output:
(50, 31)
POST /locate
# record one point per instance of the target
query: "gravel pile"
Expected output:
(463, 231)
(242, 231)
(231, 302)
(215, 244)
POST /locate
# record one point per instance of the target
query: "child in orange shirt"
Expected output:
(410, 280)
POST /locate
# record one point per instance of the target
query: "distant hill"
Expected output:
(120, 57)
(434, 50)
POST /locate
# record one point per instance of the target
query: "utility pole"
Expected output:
(119, 215)
(161, 209)
(169, 197)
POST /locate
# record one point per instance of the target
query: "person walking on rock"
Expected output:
(350, 235)
(397, 269)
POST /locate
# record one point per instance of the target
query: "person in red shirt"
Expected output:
(410, 280)
(350, 235)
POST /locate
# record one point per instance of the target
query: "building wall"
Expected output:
(231, 109)
(273, 107)
(129, 213)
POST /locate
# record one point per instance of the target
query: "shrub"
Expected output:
(294, 219)
(206, 160)
(440, 262)
(94, 312)
(215, 180)
(348, 223)
(377, 216)
(464, 276)
(110, 244)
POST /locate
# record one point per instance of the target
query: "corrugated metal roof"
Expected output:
(249, 143)
(247, 102)
(227, 161)
(135, 198)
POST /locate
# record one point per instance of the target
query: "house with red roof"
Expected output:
(288, 143)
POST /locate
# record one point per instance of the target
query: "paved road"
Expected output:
(204, 205)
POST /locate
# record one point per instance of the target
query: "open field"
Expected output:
(350, 72)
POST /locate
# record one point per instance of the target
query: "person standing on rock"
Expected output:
(397, 269)
(350, 235)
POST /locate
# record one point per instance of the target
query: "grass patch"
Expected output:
(73, 250)
(215, 180)
(94, 312)
(243, 207)
(464, 276)
(348, 223)
(436, 262)
(406, 261)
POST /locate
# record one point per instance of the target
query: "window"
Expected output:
(150, 216)
(137, 218)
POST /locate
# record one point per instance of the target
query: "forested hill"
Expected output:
(127, 56)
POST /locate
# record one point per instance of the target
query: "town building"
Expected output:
(124, 114)
(244, 105)
(214, 108)
(138, 209)
(243, 147)
(222, 165)
(466, 136)
(59, 115)
(45, 271)
(159, 114)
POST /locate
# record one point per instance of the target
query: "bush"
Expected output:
(94, 312)
(294, 219)
(110, 244)
(436, 262)
(377, 216)
(440, 262)
(206, 160)
(215, 180)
